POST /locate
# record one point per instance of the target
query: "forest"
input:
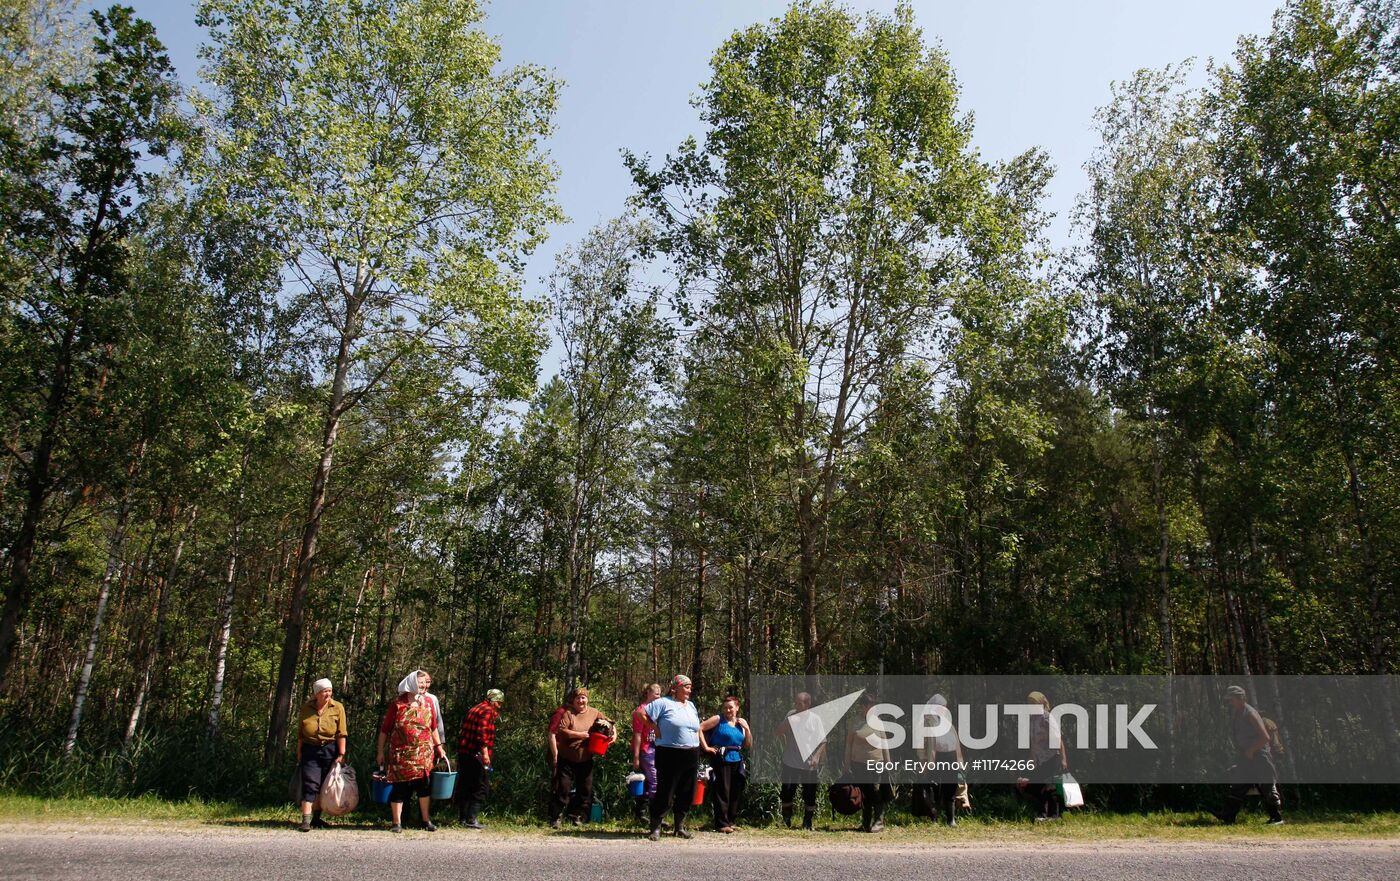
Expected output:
(278, 400)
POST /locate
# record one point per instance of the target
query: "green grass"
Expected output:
(153, 812)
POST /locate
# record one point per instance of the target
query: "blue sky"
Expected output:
(1030, 73)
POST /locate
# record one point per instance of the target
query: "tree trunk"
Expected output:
(807, 584)
(306, 557)
(158, 640)
(697, 663)
(114, 562)
(18, 591)
(355, 630)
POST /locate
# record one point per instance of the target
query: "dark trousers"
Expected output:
(1041, 791)
(1258, 771)
(876, 795)
(789, 790)
(727, 788)
(410, 789)
(675, 782)
(316, 761)
(931, 799)
(473, 783)
(577, 776)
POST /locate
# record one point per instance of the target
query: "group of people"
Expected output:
(669, 740)
(802, 770)
(412, 737)
(672, 749)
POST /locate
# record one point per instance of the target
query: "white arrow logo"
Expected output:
(810, 727)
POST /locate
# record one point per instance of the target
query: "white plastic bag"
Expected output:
(1070, 793)
(340, 791)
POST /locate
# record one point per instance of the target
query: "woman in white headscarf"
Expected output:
(410, 730)
(321, 731)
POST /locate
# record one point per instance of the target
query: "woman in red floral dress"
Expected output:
(410, 730)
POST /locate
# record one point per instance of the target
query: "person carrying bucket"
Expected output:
(677, 727)
(474, 744)
(643, 754)
(573, 744)
(409, 730)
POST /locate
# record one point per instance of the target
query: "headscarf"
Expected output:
(409, 684)
(680, 679)
(320, 685)
(495, 694)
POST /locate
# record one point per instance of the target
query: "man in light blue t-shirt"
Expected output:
(677, 725)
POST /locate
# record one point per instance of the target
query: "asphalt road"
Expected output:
(247, 855)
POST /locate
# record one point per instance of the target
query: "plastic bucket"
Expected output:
(595, 812)
(380, 789)
(598, 743)
(699, 798)
(637, 786)
(444, 782)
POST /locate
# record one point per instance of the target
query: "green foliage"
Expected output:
(828, 403)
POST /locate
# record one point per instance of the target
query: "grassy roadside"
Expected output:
(19, 810)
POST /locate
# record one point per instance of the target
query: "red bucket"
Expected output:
(598, 743)
(699, 794)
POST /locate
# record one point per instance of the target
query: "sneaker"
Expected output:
(304, 826)
(1274, 821)
(1224, 818)
(429, 827)
(318, 823)
(556, 823)
(396, 828)
(577, 821)
(473, 823)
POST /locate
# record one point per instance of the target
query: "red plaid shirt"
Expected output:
(478, 729)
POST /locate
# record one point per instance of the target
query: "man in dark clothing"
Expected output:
(1256, 764)
(474, 745)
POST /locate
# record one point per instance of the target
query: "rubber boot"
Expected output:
(1231, 810)
(877, 823)
(638, 808)
(681, 831)
(867, 813)
(787, 814)
(808, 815)
(469, 812)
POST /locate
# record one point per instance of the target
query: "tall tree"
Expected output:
(1150, 213)
(830, 220)
(66, 316)
(1308, 131)
(614, 350)
(404, 176)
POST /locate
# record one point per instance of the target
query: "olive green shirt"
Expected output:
(323, 726)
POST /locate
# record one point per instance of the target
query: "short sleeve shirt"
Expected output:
(321, 726)
(809, 725)
(397, 708)
(1244, 726)
(679, 723)
(639, 723)
(575, 746)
